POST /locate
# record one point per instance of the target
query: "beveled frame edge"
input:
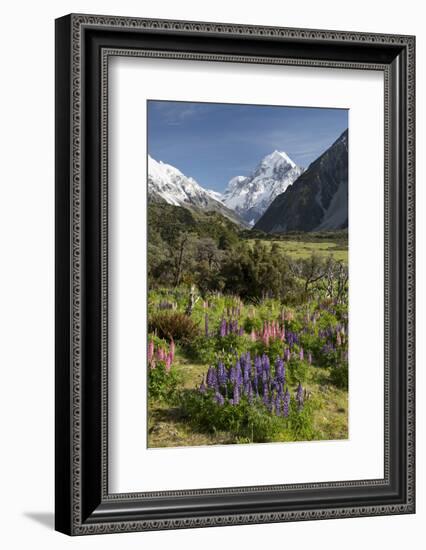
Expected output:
(69, 516)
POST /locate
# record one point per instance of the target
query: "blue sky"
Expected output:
(213, 142)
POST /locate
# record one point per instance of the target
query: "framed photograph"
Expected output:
(234, 274)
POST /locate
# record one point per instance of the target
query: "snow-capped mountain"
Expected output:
(251, 195)
(318, 200)
(168, 184)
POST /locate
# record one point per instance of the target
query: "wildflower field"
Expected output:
(247, 342)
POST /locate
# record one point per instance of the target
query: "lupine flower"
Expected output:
(220, 400)
(168, 361)
(202, 388)
(286, 403)
(277, 405)
(236, 394)
(223, 328)
(206, 325)
(301, 355)
(265, 364)
(279, 370)
(212, 381)
(172, 350)
(222, 376)
(150, 351)
(310, 358)
(238, 373)
(250, 393)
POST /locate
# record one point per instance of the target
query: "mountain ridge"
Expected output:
(168, 184)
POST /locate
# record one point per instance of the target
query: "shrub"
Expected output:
(297, 371)
(162, 383)
(173, 325)
(339, 375)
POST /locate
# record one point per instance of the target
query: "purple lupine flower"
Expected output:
(266, 365)
(236, 394)
(222, 376)
(286, 403)
(279, 370)
(238, 373)
(202, 388)
(277, 405)
(246, 369)
(287, 354)
(212, 381)
(223, 328)
(220, 400)
(232, 375)
(258, 365)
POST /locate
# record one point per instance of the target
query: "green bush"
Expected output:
(254, 323)
(339, 375)
(297, 371)
(163, 384)
(173, 325)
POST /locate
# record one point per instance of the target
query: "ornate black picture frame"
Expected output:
(83, 45)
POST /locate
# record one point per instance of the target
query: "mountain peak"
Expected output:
(278, 156)
(251, 195)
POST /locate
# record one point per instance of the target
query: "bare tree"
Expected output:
(310, 270)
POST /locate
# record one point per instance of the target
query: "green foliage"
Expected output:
(339, 375)
(173, 325)
(297, 371)
(163, 384)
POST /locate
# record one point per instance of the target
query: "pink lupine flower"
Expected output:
(301, 355)
(338, 339)
(168, 361)
(150, 351)
(161, 354)
(253, 336)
